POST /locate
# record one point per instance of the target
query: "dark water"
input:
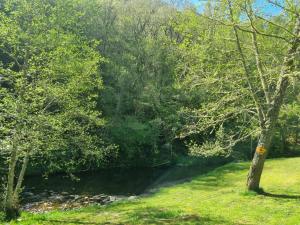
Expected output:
(110, 182)
(116, 182)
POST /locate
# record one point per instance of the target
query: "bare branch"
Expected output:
(240, 27)
(259, 66)
(287, 69)
(283, 8)
(247, 72)
(275, 24)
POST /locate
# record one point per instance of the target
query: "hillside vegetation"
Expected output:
(90, 85)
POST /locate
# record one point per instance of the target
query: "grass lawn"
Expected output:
(218, 197)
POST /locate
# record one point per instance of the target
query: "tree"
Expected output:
(48, 91)
(269, 111)
(248, 67)
(138, 74)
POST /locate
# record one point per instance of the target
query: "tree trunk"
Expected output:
(11, 209)
(258, 161)
(21, 178)
(272, 112)
(12, 212)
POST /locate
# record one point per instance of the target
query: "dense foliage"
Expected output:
(151, 72)
(88, 84)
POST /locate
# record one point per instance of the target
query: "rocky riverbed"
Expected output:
(50, 200)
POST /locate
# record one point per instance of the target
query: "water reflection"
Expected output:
(111, 182)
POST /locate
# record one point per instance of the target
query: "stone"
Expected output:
(57, 198)
(27, 194)
(132, 197)
(98, 198)
(75, 197)
(112, 198)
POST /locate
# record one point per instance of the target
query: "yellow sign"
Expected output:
(260, 150)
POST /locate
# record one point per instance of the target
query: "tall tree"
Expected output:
(48, 90)
(254, 58)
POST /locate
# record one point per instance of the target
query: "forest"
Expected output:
(120, 103)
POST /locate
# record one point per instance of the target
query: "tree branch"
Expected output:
(284, 8)
(259, 109)
(259, 66)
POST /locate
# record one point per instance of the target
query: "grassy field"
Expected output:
(218, 197)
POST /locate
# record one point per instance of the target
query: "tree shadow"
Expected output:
(282, 196)
(209, 177)
(66, 221)
(224, 176)
(87, 219)
(153, 215)
(141, 216)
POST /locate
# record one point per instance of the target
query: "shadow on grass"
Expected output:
(282, 196)
(152, 215)
(140, 216)
(66, 221)
(225, 176)
(134, 213)
(215, 176)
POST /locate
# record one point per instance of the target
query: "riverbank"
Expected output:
(218, 197)
(63, 192)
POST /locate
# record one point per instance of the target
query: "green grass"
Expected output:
(218, 197)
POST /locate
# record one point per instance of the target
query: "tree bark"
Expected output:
(21, 177)
(11, 209)
(258, 161)
(267, 127)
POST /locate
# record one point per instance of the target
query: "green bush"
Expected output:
(140, 142)
(2, 216)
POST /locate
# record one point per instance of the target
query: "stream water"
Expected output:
(102, 187)
(60, 191)
(110, 182)
(125, 182)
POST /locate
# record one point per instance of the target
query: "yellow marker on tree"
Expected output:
(260, 150)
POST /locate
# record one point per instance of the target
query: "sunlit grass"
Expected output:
(218, 197)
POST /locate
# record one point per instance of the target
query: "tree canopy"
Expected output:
(89, 84)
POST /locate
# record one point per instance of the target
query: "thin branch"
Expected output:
(275, 24)
(247, 72)
(12, 57)
(264, 34)
(245, 30)
(21, 176)
(259, 66)
(287, 69)
(283, 8)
